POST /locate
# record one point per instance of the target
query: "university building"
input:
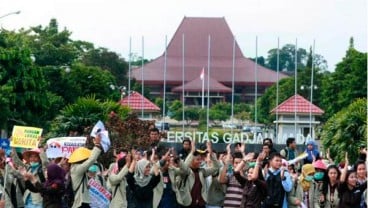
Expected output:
(205, 45)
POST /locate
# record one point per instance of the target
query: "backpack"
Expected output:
(70, 192)
(275, 191)
(101, 180)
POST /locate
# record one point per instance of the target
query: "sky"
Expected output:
(111, 23)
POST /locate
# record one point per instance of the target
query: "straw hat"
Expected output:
(28, 153)
(79, 154)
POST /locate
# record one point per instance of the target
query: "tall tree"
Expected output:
(287, 58)
(52, 47)
(108, 60)
(84, 80)
(25, 100)
(348, 82)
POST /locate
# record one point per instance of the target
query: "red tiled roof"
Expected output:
(135, 103)
(196, 85)
(196, 32)
(303, 106)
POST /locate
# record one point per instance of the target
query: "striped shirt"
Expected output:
(234, 193)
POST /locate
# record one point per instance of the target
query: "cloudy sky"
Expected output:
(110, 23)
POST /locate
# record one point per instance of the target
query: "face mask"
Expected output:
(251, 164)
(319, 176)
(308, 178)
(33, 164)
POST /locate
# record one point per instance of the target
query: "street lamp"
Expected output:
(10, 13)
(311, 88)
(122, 89)
(305, 87)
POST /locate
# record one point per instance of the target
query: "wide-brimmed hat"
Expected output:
(319, 165)
(28, 153)
(79, 154)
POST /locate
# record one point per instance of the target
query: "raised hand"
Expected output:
(193, 148)
(228, 149)
(152, 159)
(346, 158)
(209, 147)
(128, 158)
(261, 157)
(242, 148)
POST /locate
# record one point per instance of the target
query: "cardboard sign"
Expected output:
(63, 146)
(100, 197)
(25, 137)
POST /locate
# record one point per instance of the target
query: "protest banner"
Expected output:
(100, 197)
(25, 137)
(63, 146)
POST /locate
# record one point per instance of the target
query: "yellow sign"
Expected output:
(25, 137)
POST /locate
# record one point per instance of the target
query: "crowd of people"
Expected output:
(194, 176)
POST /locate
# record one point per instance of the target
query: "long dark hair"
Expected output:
(326, 179)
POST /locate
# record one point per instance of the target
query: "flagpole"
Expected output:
(202, 77)
(129, 68)
(142, 110)
(256, 84)
(295, 86)
(277, 87)
(183, 80)
(208, 81)
(311, 91)
(164, 99)
(232, 88)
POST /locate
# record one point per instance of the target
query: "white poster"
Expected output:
(99, 128)
(63, 146)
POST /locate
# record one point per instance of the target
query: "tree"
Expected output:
(24, 98)
(346, 130)
(190, 113)
(107, 60)
(51, 47)
(136, 86)
(267, 101)
(286, 58)
(348, 82)
(160, 102)
(260, 60)
(87, 80)
(83, 114)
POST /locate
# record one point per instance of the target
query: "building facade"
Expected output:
(205, 44)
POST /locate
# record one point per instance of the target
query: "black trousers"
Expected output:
(85, 205)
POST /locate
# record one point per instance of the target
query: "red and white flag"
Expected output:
(202, 74)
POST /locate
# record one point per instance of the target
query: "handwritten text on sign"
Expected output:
(25, 137)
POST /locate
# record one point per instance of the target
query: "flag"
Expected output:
(202, 74)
